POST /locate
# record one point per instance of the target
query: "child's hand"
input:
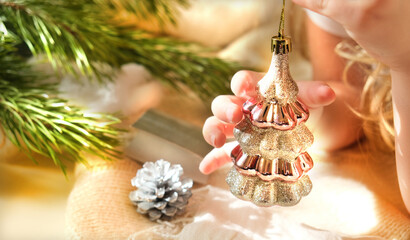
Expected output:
(227, 112)
(381, 27)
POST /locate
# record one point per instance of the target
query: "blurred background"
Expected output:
(92, 89)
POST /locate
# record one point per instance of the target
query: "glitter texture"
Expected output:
(271, 143)
(280, 86)
(271, 162)
(266, 194)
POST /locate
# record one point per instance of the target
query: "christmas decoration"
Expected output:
(87, 39)
(161, 194)
(271, 162)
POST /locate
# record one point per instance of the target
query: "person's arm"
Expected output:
(381, 28)
(339, 127)
(401, 111)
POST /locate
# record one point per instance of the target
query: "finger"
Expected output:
(217, 158)
(215, 132)
(244, 82)
(315, 94)
(228, 108)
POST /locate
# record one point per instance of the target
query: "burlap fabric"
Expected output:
(98, 206)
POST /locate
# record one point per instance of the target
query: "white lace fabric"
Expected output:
(214, 213)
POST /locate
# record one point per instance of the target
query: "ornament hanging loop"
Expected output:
(281, 32)
(281, 44)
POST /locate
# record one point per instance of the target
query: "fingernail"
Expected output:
(325, 93)
(325, 90)
(229, 114)
(244, 91)
(217, 139)
(202, 168)
(213, 139)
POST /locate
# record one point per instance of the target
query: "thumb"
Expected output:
(315, 94)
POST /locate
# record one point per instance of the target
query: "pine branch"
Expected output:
(68, 32)
(78, 33)
(79, 37)
(172, 62)
(36, 120)
(163, 11)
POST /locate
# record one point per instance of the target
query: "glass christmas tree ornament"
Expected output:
(271, 162)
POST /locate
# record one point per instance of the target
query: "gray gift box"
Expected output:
(160, 136)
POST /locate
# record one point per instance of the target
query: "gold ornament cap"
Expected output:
(281, 45)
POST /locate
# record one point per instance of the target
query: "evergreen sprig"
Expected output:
(36, 120)
(81, 38)
(81, 34)
(163, 11)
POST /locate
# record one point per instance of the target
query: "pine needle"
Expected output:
(37, 121)
(80, 36)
